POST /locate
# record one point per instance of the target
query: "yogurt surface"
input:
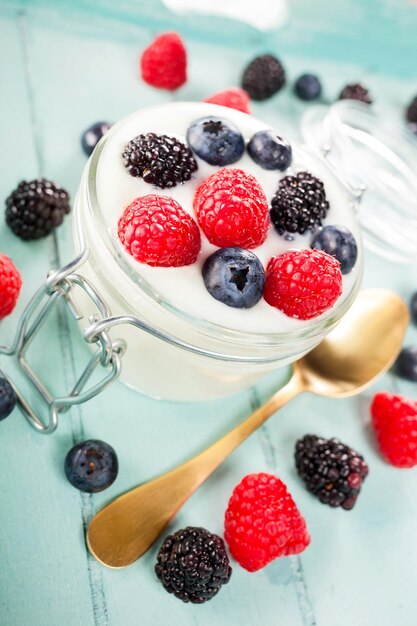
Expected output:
(183, 288)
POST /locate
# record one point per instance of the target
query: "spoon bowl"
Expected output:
(363, 345)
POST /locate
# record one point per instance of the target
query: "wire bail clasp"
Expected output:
(107, 354)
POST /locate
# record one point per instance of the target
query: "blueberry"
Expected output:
(307, 87)
(216, 141)
(413, 308)
(234, 276)
(270, 151)
(91, 465)
(7, 398)
(340, 243)
(92, 135)
(406, 364)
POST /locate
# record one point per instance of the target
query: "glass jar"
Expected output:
(172, 354)
(373, 154)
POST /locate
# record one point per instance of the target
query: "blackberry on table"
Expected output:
(331, 470)
(263, 77)
(35, 208)
(411, 112)
(299, 204)
(160, 160)
(355, 91)
(193, 565)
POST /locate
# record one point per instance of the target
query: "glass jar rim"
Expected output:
(205, 327)
(352, 136)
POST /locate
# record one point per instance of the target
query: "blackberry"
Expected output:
(331, 470)
(299, 205)
(193, 565)
(355, 91)
(411, 112)
(160, 160)
(263, 77)
(35, 208)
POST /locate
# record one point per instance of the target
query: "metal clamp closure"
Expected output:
(107, 354)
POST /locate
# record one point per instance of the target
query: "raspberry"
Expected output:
(193, 565)
(299, 205)
(232, 209)
(157, 231)
(35, 208)
(394, 419)
(10, 284)
(303, 283)
(263, 523)
(331, 470)
(160, 160)
(355, 91)
(234, 98)
(164, 62)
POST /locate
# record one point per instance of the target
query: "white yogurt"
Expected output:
(183, 288)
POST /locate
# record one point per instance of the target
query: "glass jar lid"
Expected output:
(376, 159)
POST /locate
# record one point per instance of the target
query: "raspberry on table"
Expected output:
(331, 470)
(163, 63)
(193, 565)
(262, 522)
(303, 283)
(232, 209)
(8, 398)
(35, 208)
(157, 231)
(411, 111)
(10, 285)
(355, 91)
(263, 77)
(394, 420)
(233, 98)
(160, 160)
(299, 205)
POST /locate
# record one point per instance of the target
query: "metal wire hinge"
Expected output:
(107, 354)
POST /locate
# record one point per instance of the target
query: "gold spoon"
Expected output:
(363, 345)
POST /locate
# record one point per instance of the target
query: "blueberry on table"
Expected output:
(413, 308)
(339, 242)
(92, 135)
(307, 87)
(235, 277)
(406, 364)
(91, 465)
(7, 398)
(270, 151)
(216, 141)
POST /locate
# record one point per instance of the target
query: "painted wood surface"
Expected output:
(63, 66)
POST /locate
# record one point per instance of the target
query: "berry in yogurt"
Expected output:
(270, 151)
(216, 141)
(157, 231)
(234, 276)
(232, 209)
(160, 160)
(299, 205)
(303, 283)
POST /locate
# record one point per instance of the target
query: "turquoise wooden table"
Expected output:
(62, 67)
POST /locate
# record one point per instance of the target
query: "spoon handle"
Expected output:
(123, 530)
